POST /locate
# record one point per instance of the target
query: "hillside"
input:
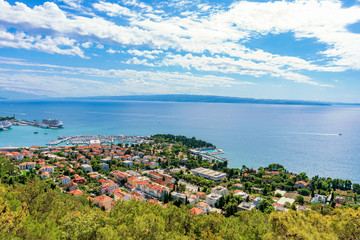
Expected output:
(36, 211)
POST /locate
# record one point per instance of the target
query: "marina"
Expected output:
(100, 139)
(209, 153)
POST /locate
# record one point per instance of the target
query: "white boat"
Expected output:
(5, 124)
(53, 123)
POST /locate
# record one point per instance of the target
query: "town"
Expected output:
(166, 168)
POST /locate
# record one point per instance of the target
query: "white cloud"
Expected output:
(60, 45)
(113, 9)
(86, 44)
(72, 3)
(45, 77)
(221, 35)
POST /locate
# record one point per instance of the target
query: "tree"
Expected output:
(299, 199)
(265, 206)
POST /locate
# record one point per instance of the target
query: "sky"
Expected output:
(301, 49)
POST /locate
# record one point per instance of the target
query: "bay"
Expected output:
(302, 138)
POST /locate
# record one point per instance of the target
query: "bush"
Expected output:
(304, 192)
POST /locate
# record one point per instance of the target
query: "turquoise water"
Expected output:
(302, 138)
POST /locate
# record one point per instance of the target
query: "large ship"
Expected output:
(5, 124)
(52, 123)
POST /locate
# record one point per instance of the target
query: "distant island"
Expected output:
(201, 98)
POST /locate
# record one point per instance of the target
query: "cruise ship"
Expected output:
(52, 123)
(5, 124)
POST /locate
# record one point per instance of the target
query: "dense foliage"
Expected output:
(36, 211)
(189, 142)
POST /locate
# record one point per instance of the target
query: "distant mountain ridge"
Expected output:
(201, 98)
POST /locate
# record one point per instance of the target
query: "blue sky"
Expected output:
(302, 49)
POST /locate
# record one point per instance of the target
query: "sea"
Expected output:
(318, 140)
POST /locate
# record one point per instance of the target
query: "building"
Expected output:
(301, 184)
(209, 174)
(196, 211)
(128, 163)
(284, 200)
(78, 179)
(257, 201)
(103, 201)
(104, 166)
(178, 195)
(49, 169)
(256, 190)
(65, 180)
(72, 186)
(220, 190)
(45, 175)
(86, 168)
(212, 198)
(238, 185)
(339, 200)
(245, 206)
(204, 206)
(318, 199)
(107, 186)
(76, 192)
(121, 195)
(27, 165)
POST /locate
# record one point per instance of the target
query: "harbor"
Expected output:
(98, 139)
(209, 153)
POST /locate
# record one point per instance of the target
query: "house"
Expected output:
(27, 165)
(212, 198)
(242, 194)
(65, 180)
(178, 195)
(220, 190)
(196, 211)
(238, 185)
(204, 206)
(108, 186)
(256, 190)
(121, 195)
(245, 206)
(257, 201)
(72, 186)
(120, 175)
(128, 163)
(104, 166)
(103, 201)
(339, 200)
(86, 168)
(45, 175)
(76, 192)
(301, 184)
(318, 199)
(78, 179)
(49, 169)
(17, 156)
(201, 195)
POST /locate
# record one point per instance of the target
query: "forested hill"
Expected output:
(36, 210)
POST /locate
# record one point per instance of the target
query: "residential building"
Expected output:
(86, 168)
(196, 211)
(65, 180)
(220, 190)
(339, 200)
(204, 206)
(76, 192)
(107, 186)
(245, 206)
(128, 163)
(104, 166)
(257, 201)
(319, 198)
(72, 186)
(27, 165)
(121, 195)
(103, 201)
(212, 198)
(301, 184)
(178, 195)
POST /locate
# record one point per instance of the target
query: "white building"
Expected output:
(245, 206)
(212, 198)
(220, 190)
(209, 174)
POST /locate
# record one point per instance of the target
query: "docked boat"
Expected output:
(52, 123)
(5, 124)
